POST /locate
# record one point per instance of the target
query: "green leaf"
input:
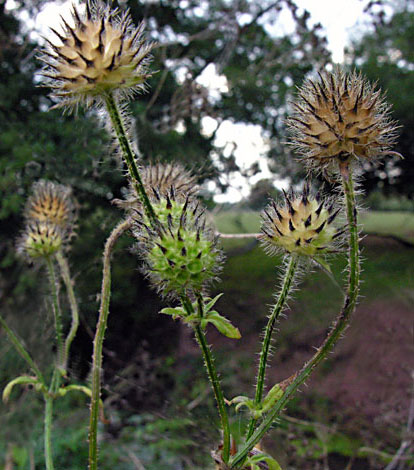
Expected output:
(212, 302)
(174, 312)
(79, 388)
(322, 263)
(270, 400)
(254, 409)
(22, 380)
(223, 325)
(255, 461)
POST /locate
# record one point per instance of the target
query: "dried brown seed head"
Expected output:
(101, 53)
(340, 117)
(52, 203)
(159, 180)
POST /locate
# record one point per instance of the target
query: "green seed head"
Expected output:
(302, 225)
(180, 254)
(40, 240)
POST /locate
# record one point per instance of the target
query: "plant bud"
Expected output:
(40, 240)
(340, 117)
(302, 225)
(180, 254)
(102, 52)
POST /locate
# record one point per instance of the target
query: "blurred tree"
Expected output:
(260, 194)
(386, 55)
(235, 43)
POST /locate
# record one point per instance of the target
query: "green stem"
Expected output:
(213, 376)
(56, 312)
(129, 155)
(64, 271)
(352, 218)
(340, 324)
(98, 342)
(48, 432)
(277, 309)
(18, 344)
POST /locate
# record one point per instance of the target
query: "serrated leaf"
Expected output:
(223, 325)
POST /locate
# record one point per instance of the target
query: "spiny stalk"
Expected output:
(98, 342)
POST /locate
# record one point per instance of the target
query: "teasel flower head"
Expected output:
(180, 254)
(158, 179)
(340, 118)
(40, 239)
(303, 225)
(52, 203)
(102, 52)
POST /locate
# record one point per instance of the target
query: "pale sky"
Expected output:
(339, 18)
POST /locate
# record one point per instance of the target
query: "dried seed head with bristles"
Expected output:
(180, 254)
(338, 118)
(103, 52)
(160, 179)
(40, 239)
(52, 203)
(302, 226)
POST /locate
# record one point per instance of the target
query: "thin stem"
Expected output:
(277, 309)
(98, 342)
(18, 344)
(56, 312)
(48, 432)
(129, 155)
(64, 271)
(340, 324)
(213, 376)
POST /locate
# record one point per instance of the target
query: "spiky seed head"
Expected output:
(40, 239)
(103, 52)
(303, 225)
(52, 203)
(161, 179)
(340, 117)
(180, 254)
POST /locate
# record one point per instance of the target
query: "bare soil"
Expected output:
(367, 378)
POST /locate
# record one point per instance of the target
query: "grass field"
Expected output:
(388, 269)
(396, 223)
